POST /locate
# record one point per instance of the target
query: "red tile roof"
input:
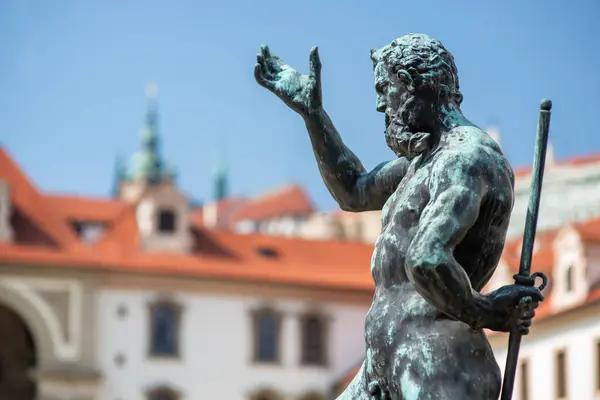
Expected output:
(33, 205)
(338, 265)
(291, 200)
(288, 200)
(589, 230)
(78, 208)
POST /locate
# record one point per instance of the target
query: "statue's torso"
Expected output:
(401, 324)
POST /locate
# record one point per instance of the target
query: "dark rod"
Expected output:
(524, 275)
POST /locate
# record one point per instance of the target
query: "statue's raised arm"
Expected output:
(349, 183)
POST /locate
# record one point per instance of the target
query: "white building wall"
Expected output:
(216, 347)
(579, 341)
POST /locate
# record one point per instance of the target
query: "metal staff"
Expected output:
(524, 277)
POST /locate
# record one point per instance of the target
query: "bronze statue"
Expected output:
(446, 201)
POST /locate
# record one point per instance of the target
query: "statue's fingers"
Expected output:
(525, 323)
(260, 60)
(260, 77)
(525, 302)
(270, 61)
(264, 50)
(528, 314)
(266, 56)
(524, 331)
(314, 64)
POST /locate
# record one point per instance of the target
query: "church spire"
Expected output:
(221, 178)
(148, 164)
(119, 175)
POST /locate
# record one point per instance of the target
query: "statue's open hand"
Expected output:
(513, 308)
(302, 93)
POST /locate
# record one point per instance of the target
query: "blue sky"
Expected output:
(73, 72)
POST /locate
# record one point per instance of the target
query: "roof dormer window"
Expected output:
(267, 252)
(167, 221)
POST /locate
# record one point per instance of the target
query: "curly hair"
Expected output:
(423, 64)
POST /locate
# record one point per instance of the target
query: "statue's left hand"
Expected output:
(302, 93)
(513, 308)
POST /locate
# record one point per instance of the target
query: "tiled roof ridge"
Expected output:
(34, 204)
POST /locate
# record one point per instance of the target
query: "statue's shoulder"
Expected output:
(472, 154)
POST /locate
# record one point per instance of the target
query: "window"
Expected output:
(122, 311)
(313, 340)
(120, 359)
(569, 279)
(163, 393)
(561, 374)
(164, 329)
(166, 221)
(524, 375)
(266, 336)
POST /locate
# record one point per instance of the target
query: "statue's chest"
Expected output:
(406, 204)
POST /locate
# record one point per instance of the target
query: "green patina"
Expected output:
(411, 389)
(369, 361)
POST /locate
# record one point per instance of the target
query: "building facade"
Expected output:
(134, 297)
(109, 299)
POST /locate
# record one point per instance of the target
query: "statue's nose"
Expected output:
(381, 105)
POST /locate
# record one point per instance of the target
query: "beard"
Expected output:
(406, 134)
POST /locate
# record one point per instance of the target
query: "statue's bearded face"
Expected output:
(406, 130)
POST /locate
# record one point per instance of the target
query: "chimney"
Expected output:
(210, 214)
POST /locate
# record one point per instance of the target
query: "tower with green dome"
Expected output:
(146, 167)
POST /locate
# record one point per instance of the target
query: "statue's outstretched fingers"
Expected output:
(314, 64)
(260, 77)
(271, 61)
(264, 66)
(264, 49)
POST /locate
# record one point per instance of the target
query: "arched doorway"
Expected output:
(17, 357)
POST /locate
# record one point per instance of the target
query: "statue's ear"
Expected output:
(406, 79)
(459, 98)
